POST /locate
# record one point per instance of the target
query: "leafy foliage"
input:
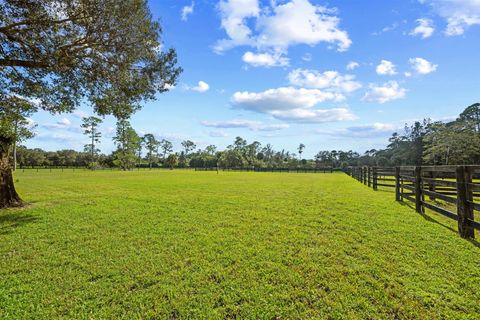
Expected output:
(91, 124)
(128, 143)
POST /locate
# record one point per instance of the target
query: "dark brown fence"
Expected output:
(287, 170)
(453, 191)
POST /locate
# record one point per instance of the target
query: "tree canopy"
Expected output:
(56, 54)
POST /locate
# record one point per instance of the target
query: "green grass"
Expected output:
(167, 245)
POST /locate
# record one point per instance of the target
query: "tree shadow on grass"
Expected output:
(12, 220)
(411, 205)
(386, 190)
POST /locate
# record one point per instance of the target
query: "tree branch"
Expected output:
(23, 63)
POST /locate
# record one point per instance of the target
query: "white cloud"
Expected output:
(279, 26)
(248, 124)
(314, 116)
(234, 14)
(352, 65)
(80, 114)
(363, 131)
(64, 122)
(422, 66)
(187, 10)
(424, 28)
(265, 59)
(386, 68)
(460, 14)
(385, 93)
(218, 134)
(30, 123)
(386, 29)
(286, 98)
(168, 86)
(201, 87)
(292, 104)
(330, 80)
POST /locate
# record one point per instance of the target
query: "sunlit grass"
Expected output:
(202, 245)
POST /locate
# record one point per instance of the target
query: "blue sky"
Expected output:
(329, 74)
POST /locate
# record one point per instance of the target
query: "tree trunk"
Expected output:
(15, 156)
(8, 195)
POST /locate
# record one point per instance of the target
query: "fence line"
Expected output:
(437, 188)
(286, 170)
(144, 168)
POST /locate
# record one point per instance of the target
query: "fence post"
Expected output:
(374, 178)
(369, 177)
(464, 195)
(364, 175)
(397, 184)
(418, 189)
(431, 185)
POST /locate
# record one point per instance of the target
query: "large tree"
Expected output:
(128, 143)
(152, 145)
(167, 148)
(188, 146)
(59, 53)
(13, 127)
(14, 121)
(91, 124)
(470, 117)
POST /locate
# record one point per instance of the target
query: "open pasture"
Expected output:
(202, 245)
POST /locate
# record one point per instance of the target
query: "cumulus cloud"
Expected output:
(424, 28)
(386, 68)
(285, 98)
(329, 80)
(247, 124)
(352, 65)
(202, 86)
(387, 92)
(62, 124)
(279, 26)
(234, 15)
(187, 10)
(459, 14)
(422, 66)
(293, 104)
(265, 59)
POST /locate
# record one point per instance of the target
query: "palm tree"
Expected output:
(300, 149)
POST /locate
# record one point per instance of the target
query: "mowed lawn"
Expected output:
(191, 245)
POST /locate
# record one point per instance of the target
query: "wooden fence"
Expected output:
(286, 170)
(453, 191)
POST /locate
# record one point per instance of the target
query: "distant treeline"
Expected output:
(432, 143)
(425, 142)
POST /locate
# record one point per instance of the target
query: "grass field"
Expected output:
(168, 245)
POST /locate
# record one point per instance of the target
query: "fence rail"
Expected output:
(287, 170)
(143, 168)
(453, 191)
